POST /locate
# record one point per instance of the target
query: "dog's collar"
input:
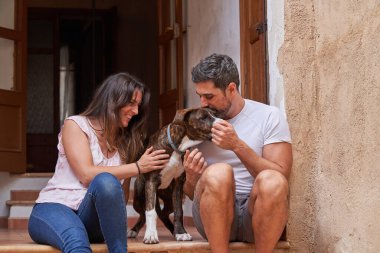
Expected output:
(171, 141)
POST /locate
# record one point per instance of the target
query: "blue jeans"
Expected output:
(100, 217)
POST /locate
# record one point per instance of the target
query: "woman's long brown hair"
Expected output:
(113, 94)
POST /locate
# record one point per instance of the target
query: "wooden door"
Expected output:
(253, 52)
(12, 88)
(170, 39)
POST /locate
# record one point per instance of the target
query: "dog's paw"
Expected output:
(183, 237)
(151, 237)
(131, 234)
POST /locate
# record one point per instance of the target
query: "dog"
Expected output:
(189, 127)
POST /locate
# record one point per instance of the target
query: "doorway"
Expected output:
(69, 53)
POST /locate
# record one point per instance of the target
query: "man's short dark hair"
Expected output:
(219, 68)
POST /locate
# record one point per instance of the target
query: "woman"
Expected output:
(84, 201)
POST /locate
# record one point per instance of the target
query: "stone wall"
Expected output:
(330, 65)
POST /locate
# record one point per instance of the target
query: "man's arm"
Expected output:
(276, 156)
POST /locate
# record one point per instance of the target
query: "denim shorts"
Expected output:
(241, 228)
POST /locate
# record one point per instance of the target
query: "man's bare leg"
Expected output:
(269, 205)
(215, 192)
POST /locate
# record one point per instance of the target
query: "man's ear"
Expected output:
(180, 114)
(232, 86)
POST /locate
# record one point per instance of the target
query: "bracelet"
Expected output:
(138, 167)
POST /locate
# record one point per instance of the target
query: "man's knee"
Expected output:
(218, 178)
(271, 184)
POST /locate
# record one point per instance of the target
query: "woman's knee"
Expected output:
(106, 184)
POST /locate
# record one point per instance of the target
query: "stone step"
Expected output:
(24, 195)
(22, 222)
(20, 211)
(33, 175)
(32, 195)
(139, 247)
(14, 241)
(23, 208)
(22, 201)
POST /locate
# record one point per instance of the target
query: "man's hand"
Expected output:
(224, 135)
(194, 165)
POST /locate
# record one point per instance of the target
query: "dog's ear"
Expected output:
(181, 114)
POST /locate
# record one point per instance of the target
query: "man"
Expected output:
(239, 181)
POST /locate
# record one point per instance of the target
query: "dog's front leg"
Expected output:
(179, 231)
(138, 205)
(150, 212)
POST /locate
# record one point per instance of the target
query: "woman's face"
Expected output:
(127, 112)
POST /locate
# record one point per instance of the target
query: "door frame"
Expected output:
(253, 50)
(170, 60)
(13, 102)
(41, 152)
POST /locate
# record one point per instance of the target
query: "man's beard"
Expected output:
(223, 112)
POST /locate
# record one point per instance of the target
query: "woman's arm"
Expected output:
(77, 149)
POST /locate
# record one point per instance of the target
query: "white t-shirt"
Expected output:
(64, 187)
(257, 125)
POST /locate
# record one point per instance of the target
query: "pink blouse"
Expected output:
(64, 187)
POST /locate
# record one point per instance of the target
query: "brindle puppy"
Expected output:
(189, 128)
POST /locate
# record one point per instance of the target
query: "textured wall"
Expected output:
(330, 63)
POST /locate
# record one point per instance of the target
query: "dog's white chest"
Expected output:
(174, 169)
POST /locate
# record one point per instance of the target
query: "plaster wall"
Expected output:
(212, 27)
(275, 35)
(330, 65)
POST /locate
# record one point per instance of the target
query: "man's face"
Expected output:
(214, 98)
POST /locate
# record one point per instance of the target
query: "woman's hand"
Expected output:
(153, 160)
